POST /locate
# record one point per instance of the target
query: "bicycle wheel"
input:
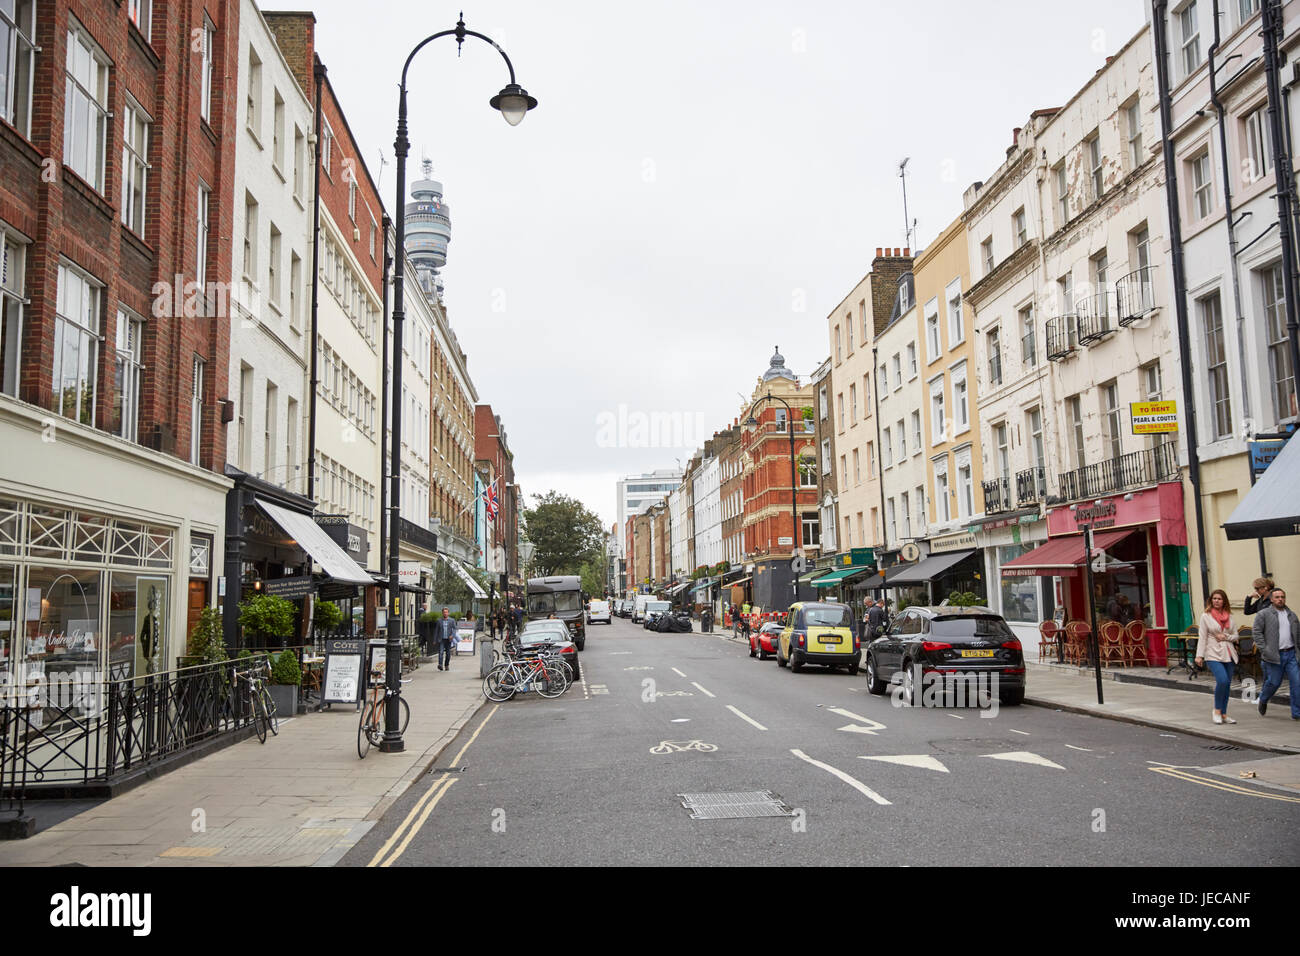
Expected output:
(375, 727)
(499, 685)
(564, 668)
(258, 717)
(406, 714)
(554, 683)
(363, 735)
(268, 709)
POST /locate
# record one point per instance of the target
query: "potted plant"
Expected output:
(268, 617)
(328, 616)
(286, 675)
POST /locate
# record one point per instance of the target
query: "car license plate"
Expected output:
(976, 653)
(830, 639)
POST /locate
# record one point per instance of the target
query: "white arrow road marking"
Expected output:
(851, 781)
(1024, 756)
(702, 690)
(681, 720)
(744, 718)
(678, 673)
(925, 761)
(868, 726)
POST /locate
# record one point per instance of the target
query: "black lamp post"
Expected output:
(513, 102)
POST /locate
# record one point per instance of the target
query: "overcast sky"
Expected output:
(694, 175)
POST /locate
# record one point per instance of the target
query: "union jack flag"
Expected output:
(490, 501)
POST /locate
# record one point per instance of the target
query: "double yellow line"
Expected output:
(423, 807)
(1180, 774)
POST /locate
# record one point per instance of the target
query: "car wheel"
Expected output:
(752, 651)
(582, 643)
(909, 686)
(874, 684)
(1013, 697)
(780, 661)
(853, 670)
(796, 665)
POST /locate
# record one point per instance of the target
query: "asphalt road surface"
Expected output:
(597, 777)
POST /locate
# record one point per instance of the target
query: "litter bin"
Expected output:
(485, 646)
(706, 620)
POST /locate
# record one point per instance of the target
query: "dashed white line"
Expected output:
(1021, 732)
(958, 716)
(678, 673)
(744, 717)
(851, 781)
(702, 690)
(1084, 749)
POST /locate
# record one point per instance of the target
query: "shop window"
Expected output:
(62, 636)
(137, 626)
(1020, 595)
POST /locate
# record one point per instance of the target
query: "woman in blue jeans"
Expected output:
(1217, 648)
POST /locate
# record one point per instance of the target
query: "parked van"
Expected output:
(599, 611)
(638, 607)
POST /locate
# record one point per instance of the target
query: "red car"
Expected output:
(763, 641)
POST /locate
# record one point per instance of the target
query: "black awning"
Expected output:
(927, 569)
(1271, 508)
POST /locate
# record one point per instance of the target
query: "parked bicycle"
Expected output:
(370, 732)
(255, 700)
(543, 673)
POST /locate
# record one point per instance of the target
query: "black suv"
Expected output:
(952, 646)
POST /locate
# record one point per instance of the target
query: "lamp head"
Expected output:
(513, 101)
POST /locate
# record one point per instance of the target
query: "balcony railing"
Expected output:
(1095, 314)
(1031, 485)
(1135, 295)
(1062, 336)
(1135, 470)
(997, 495)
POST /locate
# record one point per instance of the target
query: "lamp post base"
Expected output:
(392, 746)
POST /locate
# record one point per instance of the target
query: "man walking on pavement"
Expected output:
(445, 634)
(875, 620)
(1277, 629)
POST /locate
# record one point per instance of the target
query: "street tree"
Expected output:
(565, 533)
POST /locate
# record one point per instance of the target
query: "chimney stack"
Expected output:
(906, 251)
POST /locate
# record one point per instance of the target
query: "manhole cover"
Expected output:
(734, 806)
(1220, 747)
(969, 745)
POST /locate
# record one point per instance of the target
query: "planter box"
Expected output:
(286, 699)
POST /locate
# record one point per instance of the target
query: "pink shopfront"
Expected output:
(1139, 561)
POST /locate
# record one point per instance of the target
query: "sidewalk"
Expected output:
(302, 799)
(1168, 709)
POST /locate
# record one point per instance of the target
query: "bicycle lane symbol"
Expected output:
(681, 746)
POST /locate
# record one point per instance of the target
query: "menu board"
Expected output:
(342, 684)
(465, 639)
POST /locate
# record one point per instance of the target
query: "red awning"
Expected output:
(1060, 557)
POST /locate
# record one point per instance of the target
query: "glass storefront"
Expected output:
(1025, 600)
(83, 597)
(1122, 591)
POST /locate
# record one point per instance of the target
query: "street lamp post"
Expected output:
(513, 102)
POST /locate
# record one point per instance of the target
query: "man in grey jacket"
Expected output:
(1277, 632)
(444, 635)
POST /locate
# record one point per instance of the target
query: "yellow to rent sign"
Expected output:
(1153, 418)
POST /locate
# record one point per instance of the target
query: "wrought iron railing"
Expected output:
(997, 495)
(1062, 336)
(1133, 470)
(1135, 295)
(98, 731)
(1031, 485)
(1095, 318)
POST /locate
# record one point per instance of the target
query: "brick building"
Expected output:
(495, 460)
(117, 127)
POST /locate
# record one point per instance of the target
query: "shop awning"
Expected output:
(1060, 557)
(884, 579)
(1271, 508)
(805, 578)
(679, 588)
(304, 530)
(927, 569)
(837, 576)
(474, 586)
(706, 582)
(736, 584)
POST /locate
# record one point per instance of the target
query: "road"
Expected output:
(596, 777)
